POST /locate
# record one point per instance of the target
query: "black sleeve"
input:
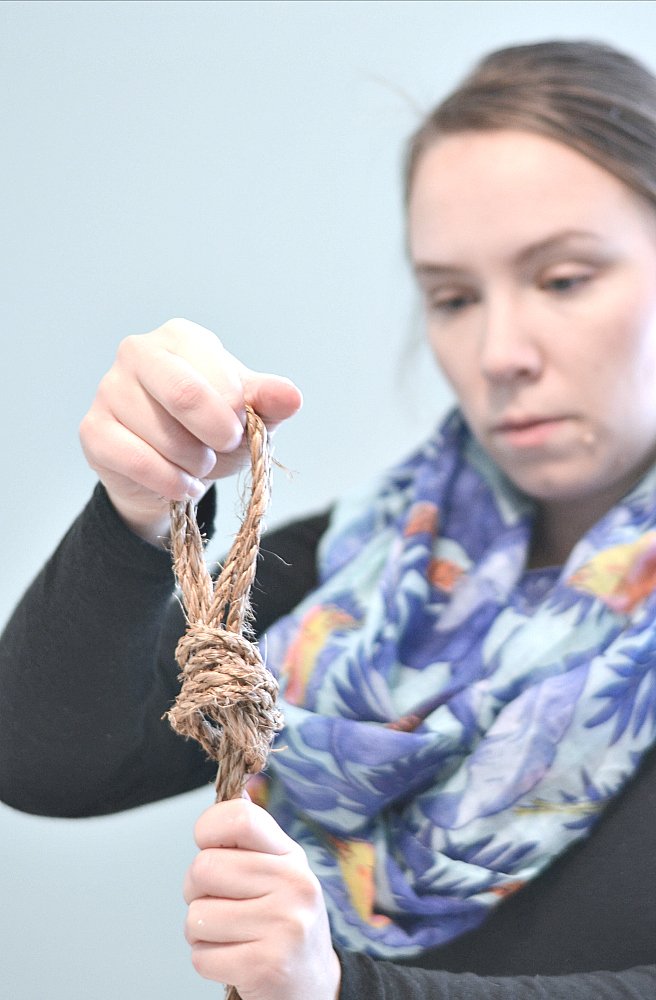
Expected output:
(363, 978)
(87, 667)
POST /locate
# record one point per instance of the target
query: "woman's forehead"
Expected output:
(505, 190)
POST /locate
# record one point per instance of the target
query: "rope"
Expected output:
(227, 700)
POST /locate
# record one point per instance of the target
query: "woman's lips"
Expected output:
(529, 433)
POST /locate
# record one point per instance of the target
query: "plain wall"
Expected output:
(237, 163)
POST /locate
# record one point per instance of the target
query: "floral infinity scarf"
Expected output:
(454, 723)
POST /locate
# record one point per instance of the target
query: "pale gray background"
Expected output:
(236, 163)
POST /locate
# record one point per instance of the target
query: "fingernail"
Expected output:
(195, 489)
(235, 440)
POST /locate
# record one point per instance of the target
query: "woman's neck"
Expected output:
(560, 524)
(557, 529)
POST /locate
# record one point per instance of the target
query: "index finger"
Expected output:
(186, 394)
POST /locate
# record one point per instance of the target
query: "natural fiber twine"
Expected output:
(227, 700)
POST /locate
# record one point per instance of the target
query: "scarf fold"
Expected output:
(454, 722)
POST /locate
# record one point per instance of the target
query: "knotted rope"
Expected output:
(228, 697)
(227, 701)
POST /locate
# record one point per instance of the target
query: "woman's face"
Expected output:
(538, 270)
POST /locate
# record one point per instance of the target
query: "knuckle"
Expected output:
(179, 334)
(231, 817)
(279, 965)
(297, 923)
(200, 961)
(201, 869)
(91, 439)
(87, 428)
(182, 447)
(128, 347)
(304, 884)
(187, 451)
(190, 937)
(108, 384)
(109, 388)
(177, 324)
(138, 465)
(182, 323)
(193, 923)
(178, 437)
(186, 394)
(299, 885)
(176, 332)
(245, 822)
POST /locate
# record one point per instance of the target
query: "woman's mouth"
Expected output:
(528, 432)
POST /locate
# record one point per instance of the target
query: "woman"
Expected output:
(468, 682)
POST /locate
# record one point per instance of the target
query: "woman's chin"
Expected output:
(559, 481)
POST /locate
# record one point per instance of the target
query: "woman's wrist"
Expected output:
(152, 527)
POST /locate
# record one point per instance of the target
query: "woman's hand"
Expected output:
(256, 916)
(168, 419)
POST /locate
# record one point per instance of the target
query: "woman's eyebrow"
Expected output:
(528, 255)
(559, 241)
(439, 271)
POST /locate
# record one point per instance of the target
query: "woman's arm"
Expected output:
(364, 977)
(86, 671)
(86, 663)
(87, 667)
(256, 919)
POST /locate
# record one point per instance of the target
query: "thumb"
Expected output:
(243, 825)
(274, 397)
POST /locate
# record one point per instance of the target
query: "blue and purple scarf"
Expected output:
(454, 722)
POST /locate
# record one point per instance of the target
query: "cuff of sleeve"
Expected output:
(357, 980)
(119, 544)
(364, 976)
(124, 546)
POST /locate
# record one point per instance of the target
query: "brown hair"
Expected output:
(586, 95)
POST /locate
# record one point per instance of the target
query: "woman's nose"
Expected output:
(509, 350)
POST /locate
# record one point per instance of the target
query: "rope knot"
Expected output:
(228, 697)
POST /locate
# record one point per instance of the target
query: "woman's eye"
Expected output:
(566, 282)
(448, 304)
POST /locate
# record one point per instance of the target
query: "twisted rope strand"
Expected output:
(228, 698)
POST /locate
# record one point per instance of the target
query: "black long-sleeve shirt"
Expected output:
(87, 670)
